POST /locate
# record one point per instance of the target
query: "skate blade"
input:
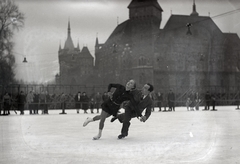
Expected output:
(96, 138)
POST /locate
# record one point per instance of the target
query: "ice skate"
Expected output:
(121, 136)
(97, 137)
(87, 121)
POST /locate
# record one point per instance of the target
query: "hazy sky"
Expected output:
(46, 27)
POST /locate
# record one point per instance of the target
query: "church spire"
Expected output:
(194, 12)
(96, 43)
(69, 43)
(69, 28)
(60, 46)
(78, 47)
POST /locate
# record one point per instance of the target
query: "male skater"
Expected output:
(112, 105)
(145, 101)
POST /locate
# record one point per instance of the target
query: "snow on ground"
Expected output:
(183, 136)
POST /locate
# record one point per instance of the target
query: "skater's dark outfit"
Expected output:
(112, 105)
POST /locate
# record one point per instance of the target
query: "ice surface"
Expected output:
(209, 137)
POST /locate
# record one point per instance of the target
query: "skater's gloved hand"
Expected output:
(143, 118)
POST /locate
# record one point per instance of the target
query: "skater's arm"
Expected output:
(148, 110)
(110, 86)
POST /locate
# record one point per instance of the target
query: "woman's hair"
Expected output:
(134, 85)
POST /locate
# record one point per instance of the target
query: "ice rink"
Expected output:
(199, 137)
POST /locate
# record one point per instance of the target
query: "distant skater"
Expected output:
(188, 103)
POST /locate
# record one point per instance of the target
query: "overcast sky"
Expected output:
(46, 27)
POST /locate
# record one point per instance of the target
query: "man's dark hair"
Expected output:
(134, 85)
(150, 87)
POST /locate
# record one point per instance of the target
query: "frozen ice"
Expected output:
(183, 136)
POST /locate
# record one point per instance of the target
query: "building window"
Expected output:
(142, 61)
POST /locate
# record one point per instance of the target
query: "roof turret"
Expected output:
(194, 12)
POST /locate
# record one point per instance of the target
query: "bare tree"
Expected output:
(10, 19)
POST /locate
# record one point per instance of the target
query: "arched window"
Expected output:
(142, 61)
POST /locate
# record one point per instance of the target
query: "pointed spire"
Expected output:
(78, 47)
(60, 46)
(69, 43)
(96, 43)
(194, 12)
(85, 52)
(69, 28)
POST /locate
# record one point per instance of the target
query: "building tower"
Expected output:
(68, 59)
(194, 12)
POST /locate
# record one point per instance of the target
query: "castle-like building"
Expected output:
(189, 52)
(75, 64)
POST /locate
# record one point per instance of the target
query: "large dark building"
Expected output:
(189, 52)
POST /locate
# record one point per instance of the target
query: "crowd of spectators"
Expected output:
(40, 103)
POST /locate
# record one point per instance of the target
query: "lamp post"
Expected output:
(125, 60)
(24, 60)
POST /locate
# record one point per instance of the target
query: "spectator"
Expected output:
(21, 99)
(63, 100)
(92, 104)
(213, 98)
(98, 101)
(192, 102)
(171, 100)
(188, 103)
(153, 100)
(207, 100)
(159, 98)
(48, 101)
(42, 100)
(77, 100)
(85, 102)
(35, 102)
(6, 103)
(54, 101)
(30, 102)
(165, 103)
(197, 101)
